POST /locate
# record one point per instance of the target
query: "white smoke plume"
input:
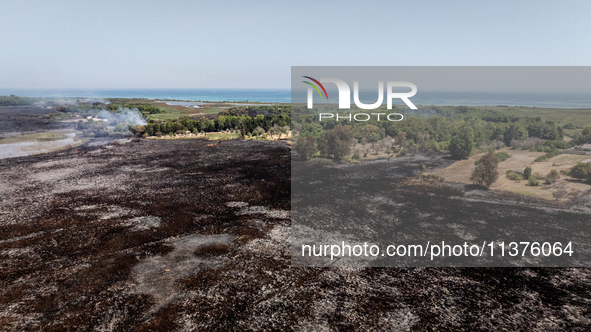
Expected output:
(130, 116)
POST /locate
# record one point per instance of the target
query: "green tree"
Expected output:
(338, 141)
(486, 172)
(527, 173)
(515, 131)
(370, 133)
(306, 147)
(581, 171)
(462, 142)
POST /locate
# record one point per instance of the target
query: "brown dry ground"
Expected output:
(564, 189)
(179, 235)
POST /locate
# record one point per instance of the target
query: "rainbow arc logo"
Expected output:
(315, 87)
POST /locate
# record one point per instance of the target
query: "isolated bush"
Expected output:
(513, 176)
(552, 176)
(533, 181)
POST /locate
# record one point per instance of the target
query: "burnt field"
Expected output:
(395, 202)
(195, 235)
(28, 119)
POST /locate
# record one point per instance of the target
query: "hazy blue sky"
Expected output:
(253, 44)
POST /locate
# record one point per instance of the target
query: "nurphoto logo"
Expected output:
(345, 93)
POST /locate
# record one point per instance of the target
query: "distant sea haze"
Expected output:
(284, 96)
(267, 95)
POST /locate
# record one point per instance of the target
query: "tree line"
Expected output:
(458, 130)
(244, 124)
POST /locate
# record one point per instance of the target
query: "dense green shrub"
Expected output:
(552, 176)
(513, 176)
(503, 155)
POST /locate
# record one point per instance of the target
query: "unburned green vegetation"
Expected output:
(462, 131)
(581, 171)
(13, 100)
(571, 118)
(242, 124)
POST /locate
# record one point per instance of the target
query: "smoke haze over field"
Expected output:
(130, 116)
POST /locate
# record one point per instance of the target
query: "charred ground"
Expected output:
(193, 235)
(396, 202)
(28, 119)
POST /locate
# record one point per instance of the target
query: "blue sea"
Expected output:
(284, 96)
(267, 96)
